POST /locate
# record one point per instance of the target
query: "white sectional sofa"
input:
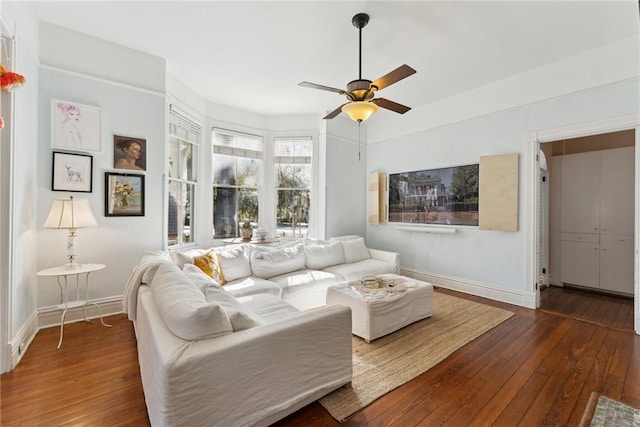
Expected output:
(254, 350)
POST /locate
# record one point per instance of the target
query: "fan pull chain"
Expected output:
(359, 137)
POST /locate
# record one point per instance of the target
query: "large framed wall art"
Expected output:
(446, 196)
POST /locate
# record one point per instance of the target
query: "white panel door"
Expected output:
(580, 192)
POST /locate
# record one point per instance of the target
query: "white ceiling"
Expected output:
(252, 55)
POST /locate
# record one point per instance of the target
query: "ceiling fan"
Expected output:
(361, 92)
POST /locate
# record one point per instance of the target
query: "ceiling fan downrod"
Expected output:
(360, 21)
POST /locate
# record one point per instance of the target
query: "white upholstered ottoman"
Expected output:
(378, 313)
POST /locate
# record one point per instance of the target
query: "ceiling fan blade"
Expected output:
(390, 105)
(394, 76)
(335, 112)
(321, 87)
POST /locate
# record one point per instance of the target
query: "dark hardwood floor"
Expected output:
(536, 369)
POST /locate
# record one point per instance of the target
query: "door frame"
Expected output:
(533, 141)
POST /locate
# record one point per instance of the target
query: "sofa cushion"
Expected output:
(199, 277)
(366, 267)
(234, 262)
(241, 317)
(252, 285)
(180, 258)
(355, 250)
(271, 309)
(321, 256)
(184, 308)
(267, 264)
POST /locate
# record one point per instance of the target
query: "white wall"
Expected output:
(118, 242)
(22, 186)
(489, 263)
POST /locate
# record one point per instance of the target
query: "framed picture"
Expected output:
(72, 172)
(446, 196)
(129, 153)
(75, 126)
(123, 194)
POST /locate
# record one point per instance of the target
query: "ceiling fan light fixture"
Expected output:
(359, 111)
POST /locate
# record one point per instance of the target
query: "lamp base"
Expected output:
(71, 265)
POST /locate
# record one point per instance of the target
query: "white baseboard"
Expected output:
(23, 339)
(523, 299)
(50, 316)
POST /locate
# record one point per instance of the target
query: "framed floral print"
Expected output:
(123, 194)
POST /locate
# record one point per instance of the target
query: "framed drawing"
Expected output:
(72, 172)
(129, 153)
(123, 194)
(446, 196)
(75, 126)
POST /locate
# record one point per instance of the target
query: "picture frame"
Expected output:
(129, 153)
(123, 194)
(72, 172)
(75, 127)
(444, 196)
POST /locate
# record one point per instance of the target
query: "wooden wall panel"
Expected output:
(498, 204)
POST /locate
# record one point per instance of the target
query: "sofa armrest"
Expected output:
(388, 256)
(260, 373)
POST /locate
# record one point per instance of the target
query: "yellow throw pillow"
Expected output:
(210, 265)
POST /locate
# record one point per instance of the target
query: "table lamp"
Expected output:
(70, 214)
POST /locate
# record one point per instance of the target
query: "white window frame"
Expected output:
(185, 128)
(239, 153)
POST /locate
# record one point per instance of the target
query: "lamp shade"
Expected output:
(70, 213)
(360, 111)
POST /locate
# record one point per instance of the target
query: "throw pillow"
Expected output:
(321, 256)
(355, 250)
(199, 277)
(210, 265)
(234, 262)
(241, 317)
(184, 308)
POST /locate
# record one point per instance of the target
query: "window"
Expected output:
(184, 138)
(237, 162)
(293, 185)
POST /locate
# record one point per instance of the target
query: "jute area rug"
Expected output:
(393, 360)
(602, 411)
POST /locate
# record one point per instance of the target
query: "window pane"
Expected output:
(248, 172)
(293, 176)
(284, 148)
(179, 211)
(186, 154)
(293, 213)
(224, 212)
(174, 158)
(303, 175)
(248, 205)
(224, 172)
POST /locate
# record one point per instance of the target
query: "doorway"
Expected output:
(559, 288)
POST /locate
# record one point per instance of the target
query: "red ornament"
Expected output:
(9, 80)
(1, 122)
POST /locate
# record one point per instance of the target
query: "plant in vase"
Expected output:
(246, 232)
(123, 194)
